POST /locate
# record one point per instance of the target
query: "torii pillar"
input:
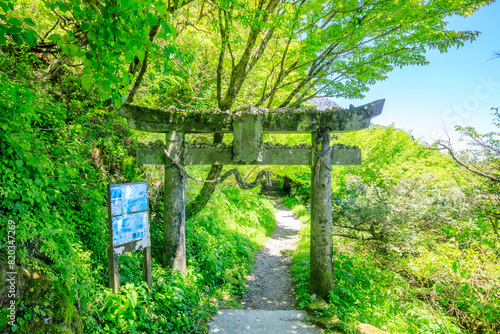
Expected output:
(248, 125)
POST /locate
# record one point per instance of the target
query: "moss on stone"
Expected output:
(55, 311)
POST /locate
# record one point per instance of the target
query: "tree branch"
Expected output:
(447, 146)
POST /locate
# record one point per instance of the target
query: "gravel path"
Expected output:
(269, 286)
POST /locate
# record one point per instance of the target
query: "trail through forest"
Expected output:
(268, 306)
(269, 287)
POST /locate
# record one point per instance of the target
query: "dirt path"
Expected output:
(269, 287)
(268, 307)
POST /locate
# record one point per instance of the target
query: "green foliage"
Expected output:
(399, 218)
(109, 39)
(482, 161)
(366, 293)
(57, 156)
(20, 30)
(221, 243)
(412, 251)
(55, 164)
(463, 280)
(278, 54)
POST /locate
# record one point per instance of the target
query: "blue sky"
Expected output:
(457, 88)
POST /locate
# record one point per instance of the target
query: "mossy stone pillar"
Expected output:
(174, 221)
(321, 273)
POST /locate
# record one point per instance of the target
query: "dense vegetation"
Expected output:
(58, 153)
(415, 251)
(416, 238)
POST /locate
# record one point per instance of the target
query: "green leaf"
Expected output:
(17, 39)
(54, 37)
(29, 21)
(73, 49)
(62, 6)
(92, 36)
(4, 6)
(86, 84)
(124, 4)
(85, 26)
(14, 30)
(165, 31)
(152, 19)
(140, 53)
(118, 103)
(65, 50)
(29, 37)
(62, 42)
(16, 22)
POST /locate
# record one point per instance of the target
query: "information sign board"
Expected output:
(129, 214)
(128, 226)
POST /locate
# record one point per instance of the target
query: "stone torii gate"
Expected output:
(248, 125)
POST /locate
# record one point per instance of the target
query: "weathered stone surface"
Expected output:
(247, 134)
(326, 322)
(276, 120)
(321, 272)
(32, 287)
(174, 223)
(319, 305)
(369, 329)
(224, 156)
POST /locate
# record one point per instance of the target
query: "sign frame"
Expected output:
(114, 251)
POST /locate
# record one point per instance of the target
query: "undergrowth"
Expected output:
(57, 154)
(366, 292)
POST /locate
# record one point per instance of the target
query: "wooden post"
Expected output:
(147, 275)
(174, 221)
(321, 273)
(114, 269)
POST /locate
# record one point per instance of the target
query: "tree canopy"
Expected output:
(221, 53)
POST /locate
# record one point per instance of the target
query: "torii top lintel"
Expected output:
(306, 119)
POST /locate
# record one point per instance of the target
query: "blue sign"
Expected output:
(129, 213)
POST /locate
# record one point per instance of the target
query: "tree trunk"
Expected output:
(207, 190)
(321, 273)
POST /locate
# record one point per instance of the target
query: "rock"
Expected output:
(369, 329)
(319, 305)
(326, 322)
(33, 287)
(142, 145)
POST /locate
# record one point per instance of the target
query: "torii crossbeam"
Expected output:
(248, 125)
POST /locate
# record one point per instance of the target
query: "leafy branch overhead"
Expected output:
(269, 52)
(281, 53)
(110, 40)
(485, 161)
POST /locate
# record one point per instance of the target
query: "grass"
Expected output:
(365, 291)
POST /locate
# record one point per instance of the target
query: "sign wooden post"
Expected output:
(248, 126)
(128, 213)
